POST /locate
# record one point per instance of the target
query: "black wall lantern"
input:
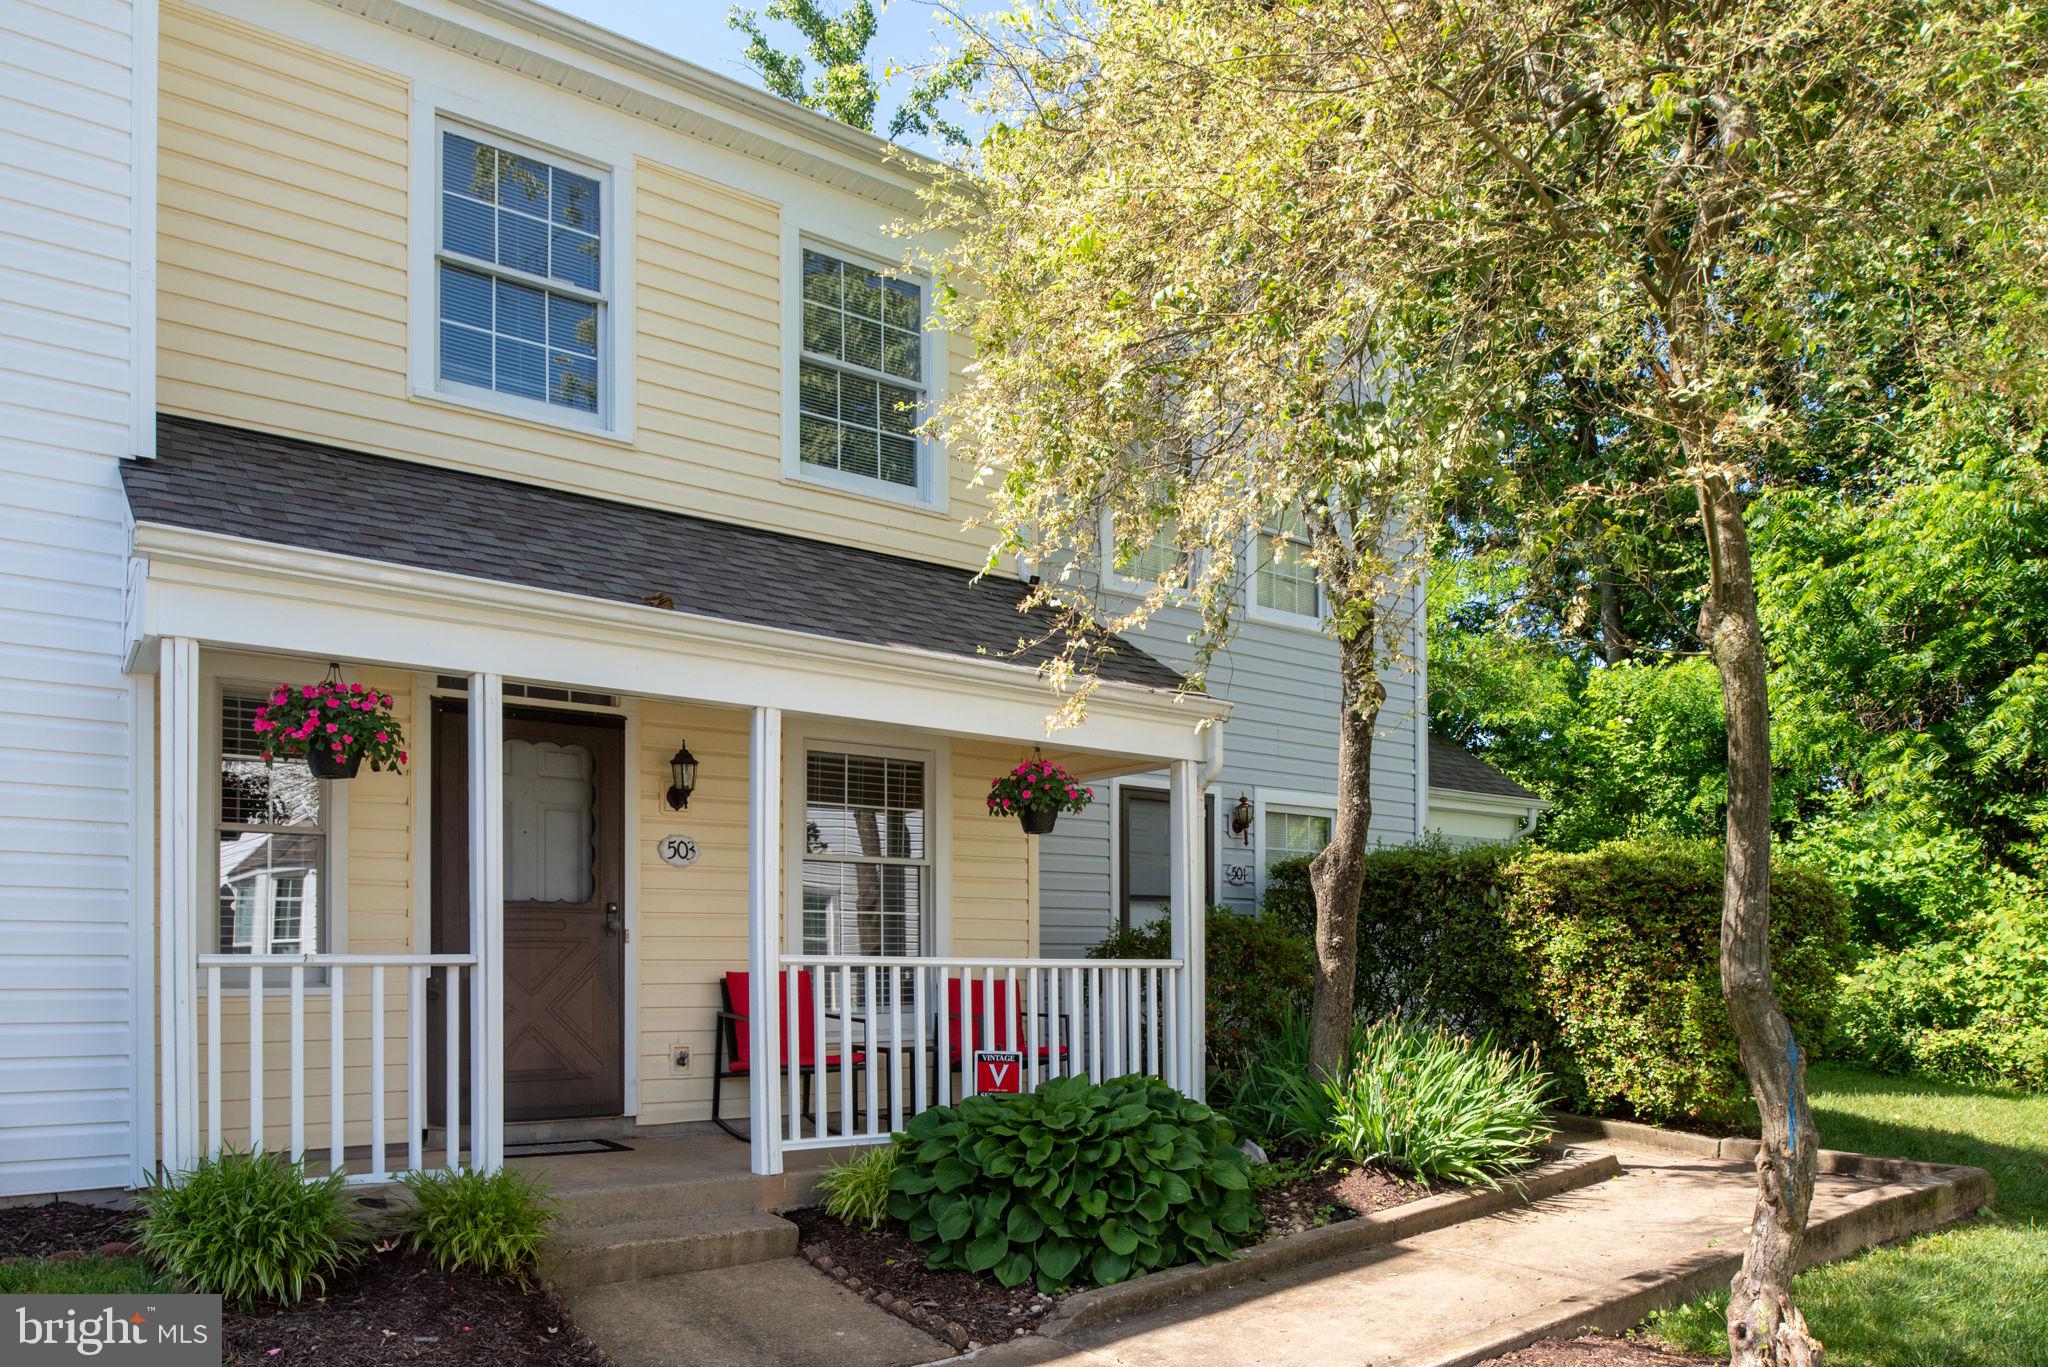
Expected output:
(682, 778)
(1241, 819)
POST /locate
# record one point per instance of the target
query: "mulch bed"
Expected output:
(1596, 1350)
(61, 1227)
(398, 1307)
(967, 1310)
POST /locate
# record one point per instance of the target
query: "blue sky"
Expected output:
(696, 30)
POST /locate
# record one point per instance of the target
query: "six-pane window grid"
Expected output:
(1295, 835)
(1286, 582)
(865, 865)
(862, 375)
(503, 213)
(270, 840)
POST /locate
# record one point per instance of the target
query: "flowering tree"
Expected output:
(1236, 261)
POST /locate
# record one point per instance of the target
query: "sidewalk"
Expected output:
(1461, 1294)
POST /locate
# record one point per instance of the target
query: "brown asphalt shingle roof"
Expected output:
(215, 478)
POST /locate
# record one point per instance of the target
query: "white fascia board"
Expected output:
(593, 62)
(233, 592)
(1460, 800)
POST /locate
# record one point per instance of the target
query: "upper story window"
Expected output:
(521, 257)
(1139, 570)
(862, 382)
(1284, 587)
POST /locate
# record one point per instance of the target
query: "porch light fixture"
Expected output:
(1241, 819)
(682, 774)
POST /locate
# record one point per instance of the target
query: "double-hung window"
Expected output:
(272, 843)
(867, 872)
(1294, 834)
(520, 271)
(861, 383)
(1284, 583)
(1138, 570)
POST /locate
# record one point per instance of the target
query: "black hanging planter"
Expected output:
(1038, 820)
(320, 759)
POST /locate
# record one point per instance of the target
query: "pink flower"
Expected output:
(1020, 768)
(308, 691)
(381, 735)
(1026, 793)
(332, 728)
(355, 688)
(401, 756)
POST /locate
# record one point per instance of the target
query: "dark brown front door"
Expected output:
(564, 882)
(1145, 855)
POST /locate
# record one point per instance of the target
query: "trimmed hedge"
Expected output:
(1606, 962)
(1258, 968)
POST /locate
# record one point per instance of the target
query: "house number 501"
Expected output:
(679, 850)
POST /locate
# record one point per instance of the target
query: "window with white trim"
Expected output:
(1144, 567)
(861, 385)
(520, 275)
(867, 871)
(271, 839)
(1284, 583)
(1294, 834)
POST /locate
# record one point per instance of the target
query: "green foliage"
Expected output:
(492, 1224)
(857, 1190)
(1605, 962)
(1258, 968)
(1275, 1094)
(1073, 1184)
(847, 88)
(90, 1276)
(249, 1227)
(1439, 1105)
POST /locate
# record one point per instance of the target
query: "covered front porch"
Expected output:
(396, 971)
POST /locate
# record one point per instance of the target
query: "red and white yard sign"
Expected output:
(996, 1071)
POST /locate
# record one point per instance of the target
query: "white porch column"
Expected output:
(178, 720)
(764, 937)
(1190, 923)
(487, 921)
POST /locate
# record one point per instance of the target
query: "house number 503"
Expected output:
(679, 850)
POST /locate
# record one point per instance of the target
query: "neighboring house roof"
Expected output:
(210, 477)
(1456, 769)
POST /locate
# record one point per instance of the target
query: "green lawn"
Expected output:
(93, 1276)
(1976, 1294)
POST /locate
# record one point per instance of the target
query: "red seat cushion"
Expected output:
(739, 1001)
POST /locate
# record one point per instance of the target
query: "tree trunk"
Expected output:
(1764, 1328)
(1613, 637)
(1337, 874)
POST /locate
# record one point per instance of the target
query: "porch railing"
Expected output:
(890, 1037)
(376, 1005)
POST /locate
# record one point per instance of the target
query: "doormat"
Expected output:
(556, 1148)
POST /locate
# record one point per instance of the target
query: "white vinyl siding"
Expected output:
(861, 386)
(74, 1009)
(520, 277)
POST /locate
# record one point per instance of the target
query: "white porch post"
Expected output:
(178, 721)
(1189, 855)
(486, 921)
(764, 939)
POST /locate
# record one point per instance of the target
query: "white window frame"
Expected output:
(1265, 802)
(435, 112)
(1261, 549)
(933, 478)
(1114, 581)
(333, 871)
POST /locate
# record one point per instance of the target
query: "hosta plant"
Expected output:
(1442, 1106)
(249, 1227)
(1073, 1184)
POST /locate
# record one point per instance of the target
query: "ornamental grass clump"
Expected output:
(1442, 1106)
(1073, 1183)
(492, 1224)
(249, 1227)
(857, 1191)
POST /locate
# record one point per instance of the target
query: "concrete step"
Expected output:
(596, 1255)
(593, 1204)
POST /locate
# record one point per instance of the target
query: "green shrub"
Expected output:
(1605, 962)
(1441, 1106)
(1073, 1183)
(1275, 1095)
(857, 1191)
(249, 1227)
(1258, 968)
(488, 1223)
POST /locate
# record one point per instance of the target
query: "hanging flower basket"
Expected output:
(1036, 792)
(333, 726)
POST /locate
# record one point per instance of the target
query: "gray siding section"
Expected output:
(1281, 737)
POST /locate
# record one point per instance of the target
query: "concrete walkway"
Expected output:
(1458, 1295)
